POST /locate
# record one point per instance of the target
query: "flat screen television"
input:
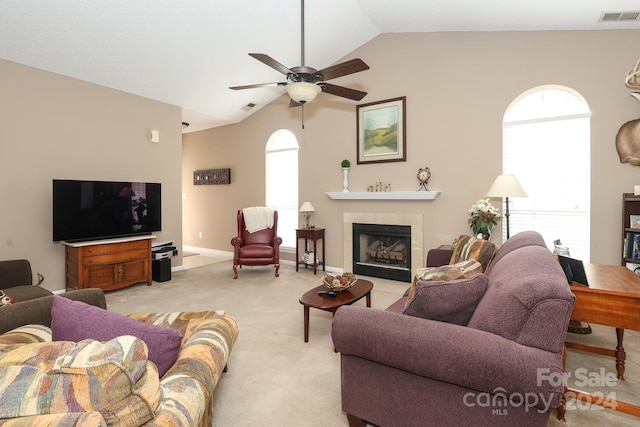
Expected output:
(95, 210)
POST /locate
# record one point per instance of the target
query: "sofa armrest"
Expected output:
(209, 337)
(438, 257)
(38, 311)
(445, 352)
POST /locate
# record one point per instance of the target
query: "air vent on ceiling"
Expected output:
(619, 16)
(249, 106)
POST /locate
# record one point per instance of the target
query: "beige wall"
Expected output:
(57, 127)
(458, 86)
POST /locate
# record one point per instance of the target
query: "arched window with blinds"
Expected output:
(546, 145)
(281, 183)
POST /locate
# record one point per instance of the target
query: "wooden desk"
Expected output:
(313, 234)
(612, 299)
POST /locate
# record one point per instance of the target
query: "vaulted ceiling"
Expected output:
(188, 52)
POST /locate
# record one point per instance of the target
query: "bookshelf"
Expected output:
(630, 229)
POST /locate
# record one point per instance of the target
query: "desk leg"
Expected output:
(621, 355)
(369, 299)
(563, 400)
(306, 323)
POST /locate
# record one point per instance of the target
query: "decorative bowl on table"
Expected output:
(338, 282)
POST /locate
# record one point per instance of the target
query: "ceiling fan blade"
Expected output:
(267, 60)
(258, 85)
(342, 91)
(339, 70)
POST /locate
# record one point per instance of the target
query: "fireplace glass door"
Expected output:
(381, 250)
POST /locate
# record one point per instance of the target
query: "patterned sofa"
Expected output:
(100, 383)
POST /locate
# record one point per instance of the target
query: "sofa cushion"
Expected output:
(520, 240)
(451, 301)
(5, 299)
(532, 284)
(460, 270)
(468, 247)
(26, 334)
(114, 378)
(76, 321)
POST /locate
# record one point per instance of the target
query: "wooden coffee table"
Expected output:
(362, 288)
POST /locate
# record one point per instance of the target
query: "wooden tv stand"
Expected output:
(108, 264)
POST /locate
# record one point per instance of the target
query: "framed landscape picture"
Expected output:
(381, 131)
(634, 221)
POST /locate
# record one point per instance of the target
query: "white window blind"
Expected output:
(281, 183)
(546, 144)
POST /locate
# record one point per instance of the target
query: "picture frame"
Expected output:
(212, 176)
(634, 221)
(380, 131)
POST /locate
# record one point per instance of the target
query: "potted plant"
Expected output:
(345, 175)
(483, 216)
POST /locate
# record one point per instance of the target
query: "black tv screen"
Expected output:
(94, 210)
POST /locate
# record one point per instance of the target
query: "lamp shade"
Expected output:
(506, 186)
(307, 207)
(303, 92)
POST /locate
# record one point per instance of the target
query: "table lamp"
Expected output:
(306, 209)
(506, 186)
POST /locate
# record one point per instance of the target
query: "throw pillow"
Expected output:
(77, 321)
(114, 378)
(5, 299)
(468, 247)
(460, 270)
(447, 301)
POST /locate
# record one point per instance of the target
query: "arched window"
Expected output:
(281, 183)
(546, 144)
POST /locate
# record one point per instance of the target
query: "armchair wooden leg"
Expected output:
(235, 271)
(355, 421)
(277, 268)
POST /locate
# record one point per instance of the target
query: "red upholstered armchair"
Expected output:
(261, 247)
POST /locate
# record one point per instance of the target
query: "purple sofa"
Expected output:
(503, 368)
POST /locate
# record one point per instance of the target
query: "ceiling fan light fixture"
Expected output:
(303, 92)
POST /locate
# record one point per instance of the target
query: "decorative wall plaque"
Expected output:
(212, 177)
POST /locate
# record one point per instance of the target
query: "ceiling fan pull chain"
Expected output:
(302, 107)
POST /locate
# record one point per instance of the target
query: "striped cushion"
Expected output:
(444, 273)
(113, 378)
(26, 334)
(467, 247)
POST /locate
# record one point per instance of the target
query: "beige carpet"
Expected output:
(276, 379)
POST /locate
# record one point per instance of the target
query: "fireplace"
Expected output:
(382, 250)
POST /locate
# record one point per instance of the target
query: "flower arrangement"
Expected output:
(483, 216)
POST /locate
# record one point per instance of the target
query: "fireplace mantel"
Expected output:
(383, 195)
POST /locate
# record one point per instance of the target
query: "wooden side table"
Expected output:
(313, 234)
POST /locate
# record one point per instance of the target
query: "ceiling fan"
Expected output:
(304, 83)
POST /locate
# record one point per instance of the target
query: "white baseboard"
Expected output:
(206, 251)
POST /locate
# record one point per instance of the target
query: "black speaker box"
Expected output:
(161, 270)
